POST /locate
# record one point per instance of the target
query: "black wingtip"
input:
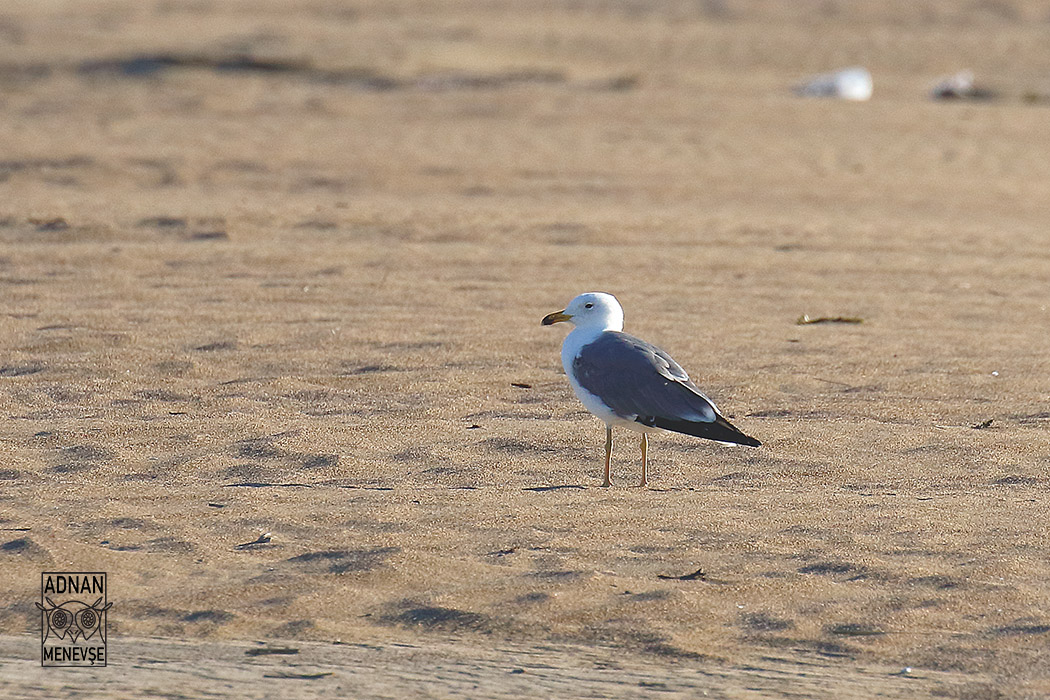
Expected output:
(750, 441)
(719, 430)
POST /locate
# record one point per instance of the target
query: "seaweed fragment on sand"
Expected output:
(807, 320)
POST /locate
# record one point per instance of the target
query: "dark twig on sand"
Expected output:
(698, 575)
(263, 539)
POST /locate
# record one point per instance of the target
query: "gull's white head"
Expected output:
(593, 310)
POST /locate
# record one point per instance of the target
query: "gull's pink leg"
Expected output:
(608, 454)
(645, 460)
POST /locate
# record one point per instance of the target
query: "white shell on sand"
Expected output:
(846, 84)
(954, 86)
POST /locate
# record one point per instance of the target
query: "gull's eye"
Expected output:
(588, 306)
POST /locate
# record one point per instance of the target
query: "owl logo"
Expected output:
(74, 620)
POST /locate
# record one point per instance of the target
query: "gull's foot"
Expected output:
(606, 483)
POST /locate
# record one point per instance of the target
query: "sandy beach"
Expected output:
(274, 273)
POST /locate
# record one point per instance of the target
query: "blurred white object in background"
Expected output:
(956, 86)
(846, 84)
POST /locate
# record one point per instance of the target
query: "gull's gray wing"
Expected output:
(640, 382)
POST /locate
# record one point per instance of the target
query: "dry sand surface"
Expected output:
(278, 267)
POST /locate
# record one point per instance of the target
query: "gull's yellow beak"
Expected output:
(556, 317)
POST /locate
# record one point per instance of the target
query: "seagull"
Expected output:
(627, 382)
